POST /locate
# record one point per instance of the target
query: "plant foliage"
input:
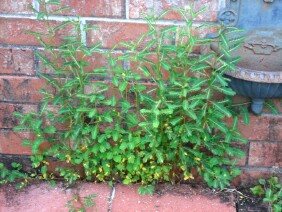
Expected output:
(150, 121)
(271, 191)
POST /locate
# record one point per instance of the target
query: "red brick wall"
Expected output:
(119, 20)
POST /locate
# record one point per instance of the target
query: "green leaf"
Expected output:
(222, 109)
(156, 123)
(271, 107)
(94, 132)
(54, 2)
(132, 119)
(176, 120)
(126, 181)
(245, 114)
(277, 207)
(200, 67)
(143, 190)
(169, 29)
(27, 143)
(50, 129)
(108, 118)
(219, 125)
(122, 86)
(146, 71)
(125, 105)
(165, 65)
(92, 113)
(221, 80)
(262, 181)
(205, 57)
(123, 146)
(62, 25)
(112, 61)
(41, 15)
(160, 157)
(117, 158)
(257, 190)
(43, 169)
(224, 40)
(227, 91)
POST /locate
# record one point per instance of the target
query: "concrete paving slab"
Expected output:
(43, 198)
(181, 198)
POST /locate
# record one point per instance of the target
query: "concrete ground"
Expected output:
(167, 198)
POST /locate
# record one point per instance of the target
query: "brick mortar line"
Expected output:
(83, 32)
(21, 103)
(35, 5)
(266, 141)
(4, 45)
(257, 168)
(21, 76)
(36, 48)
(101, 19)
(248, 154)
(221, 4)
(13, 156)
(127, 9)
(271, 115)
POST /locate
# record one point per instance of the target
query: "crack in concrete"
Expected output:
(111, 198)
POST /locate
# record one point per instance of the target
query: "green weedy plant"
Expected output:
(84, 203)
(271, 191)
(134, 125)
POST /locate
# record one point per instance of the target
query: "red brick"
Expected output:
(16, 7)
(138, 7)
(258, 129)
(243, 148)
(11, 143)
(14, 31)
(275, 129)
(97, 60)
(7, 119)
(249, 176)
(265, 154)
(47, 122)
(19, 89)
(94, 8)
(113, 33)
(16, 61)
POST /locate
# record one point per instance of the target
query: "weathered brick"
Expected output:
(16, 7)
(138, 7)
(93, 8)
(11, 143)
(258, 129)
(14, 31)
(275, 129)
(111, 34)
(249, 176)
(20, 89)
(114, 33)
(265, 154)
(243, 148)
(97, 60)
(7, 119)
(16, 61)
(47, 122)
